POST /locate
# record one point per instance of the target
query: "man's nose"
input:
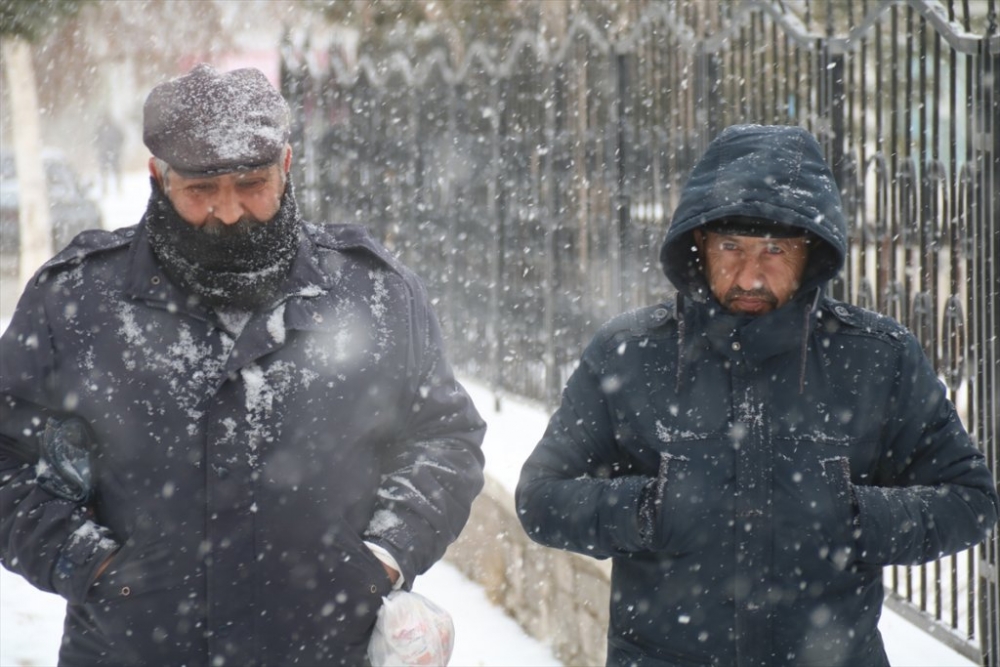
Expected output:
(226, 207)
(749, 275)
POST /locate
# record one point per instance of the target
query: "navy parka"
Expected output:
(750, 476)
(239, 472)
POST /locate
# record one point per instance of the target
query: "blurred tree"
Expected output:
(153, 42)
(102, 59)
(22, 22)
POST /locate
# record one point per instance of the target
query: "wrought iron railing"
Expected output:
(530, 184)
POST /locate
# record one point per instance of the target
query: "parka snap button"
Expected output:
(660, 313)
(126, 591)
(155, 280)
(840, 310)
(736, 346)
(374, 588)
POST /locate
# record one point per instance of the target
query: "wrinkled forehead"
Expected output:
(754, 241)
(242, 171)
(238, 175)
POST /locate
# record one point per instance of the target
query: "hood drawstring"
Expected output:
(680, 339)
(805, 342)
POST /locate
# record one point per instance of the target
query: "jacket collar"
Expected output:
(148, 282)
(751, 339)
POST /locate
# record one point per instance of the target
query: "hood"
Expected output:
(771, 172)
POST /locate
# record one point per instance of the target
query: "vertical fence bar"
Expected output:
(622, 198)
(549, 221)
(987, 301)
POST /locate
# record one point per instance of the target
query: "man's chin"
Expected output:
(750, 306)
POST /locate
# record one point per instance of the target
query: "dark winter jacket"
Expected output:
(238, 474)
(750, 477)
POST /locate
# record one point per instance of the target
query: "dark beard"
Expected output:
(240, 266)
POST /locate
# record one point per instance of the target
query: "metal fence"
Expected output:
(530, 184)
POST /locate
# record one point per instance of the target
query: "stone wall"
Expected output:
(558, 597)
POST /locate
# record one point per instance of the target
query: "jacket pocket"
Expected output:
(694, 495)
(125, 613)
(351, 585)
(143, 564)
(814, 514)
(843, 551)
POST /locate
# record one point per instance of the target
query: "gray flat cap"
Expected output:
(206, 123)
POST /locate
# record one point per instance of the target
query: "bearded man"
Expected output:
(225, 433)
(751, 453)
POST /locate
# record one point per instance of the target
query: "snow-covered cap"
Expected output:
(206, 123)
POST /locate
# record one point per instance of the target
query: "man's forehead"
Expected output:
(229, 175)
(763, 238)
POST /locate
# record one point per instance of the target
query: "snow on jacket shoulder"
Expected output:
(240, 471)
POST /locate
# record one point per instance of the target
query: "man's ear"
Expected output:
(288, 157)
(155, 173)
(699, 240)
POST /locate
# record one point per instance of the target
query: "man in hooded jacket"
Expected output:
(753, 452)
(225, 433)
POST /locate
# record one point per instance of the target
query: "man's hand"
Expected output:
(104, 566)
(64, 464)
(392, 574)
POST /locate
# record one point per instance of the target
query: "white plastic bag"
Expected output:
(411, 630)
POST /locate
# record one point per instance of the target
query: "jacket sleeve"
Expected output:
(576, 492)
(933, 494)
(433, 468)
(51, 542)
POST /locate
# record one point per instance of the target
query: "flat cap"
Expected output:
(206, 123)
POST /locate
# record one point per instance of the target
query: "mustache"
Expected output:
(761, 293)
(215, 227)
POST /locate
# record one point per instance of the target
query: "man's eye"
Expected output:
(200, 188)
(775, 249)
(728, 245)
(251, 185)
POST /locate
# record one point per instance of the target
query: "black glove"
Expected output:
(64, 465)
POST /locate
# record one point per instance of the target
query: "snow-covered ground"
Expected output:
(31, 621)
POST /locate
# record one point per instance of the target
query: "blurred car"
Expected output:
(70, 209)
